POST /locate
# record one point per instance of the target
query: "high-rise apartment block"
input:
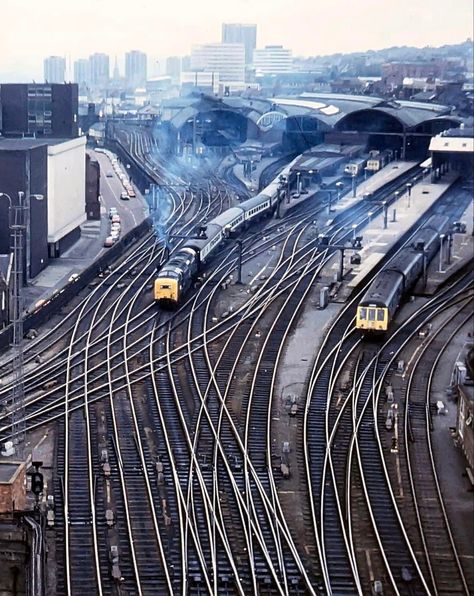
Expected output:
(226, 59)
(99, 70)
(135, 68)
(82, 73)
(272, 60)
(241, 33)
(54, 69)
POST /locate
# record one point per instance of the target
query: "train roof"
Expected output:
(382, 289)
(227, 216)
(403, 262)
(438, 223)
(357, 160)
(212, 230)
(254, 201)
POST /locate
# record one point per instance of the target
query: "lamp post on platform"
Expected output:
(339, 186)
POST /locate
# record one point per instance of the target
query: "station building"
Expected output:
(454, 148)
(300, 122)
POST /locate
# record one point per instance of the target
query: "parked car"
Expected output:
(108, 242)
(112, 211)
(114, 234)
(116, 226)
(131, 193)
(124, 195)
(109, 175)
(116, 218)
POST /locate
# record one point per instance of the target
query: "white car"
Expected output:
(114, 234)
(112, 211)
(115, 226)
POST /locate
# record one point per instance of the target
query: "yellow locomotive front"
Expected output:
(167, 290)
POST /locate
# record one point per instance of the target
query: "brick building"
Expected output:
(12, 486)
(92, 188)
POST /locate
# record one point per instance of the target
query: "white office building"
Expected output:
(54, 69)
(272, 60)
(225, 59)
(206, 82)
(66, 189)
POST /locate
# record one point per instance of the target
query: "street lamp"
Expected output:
(339, 186)
(18, 221)
(354, 228)
(298, 174)
(282, 183)
(353, 185)
(441, 247)
(409, 186)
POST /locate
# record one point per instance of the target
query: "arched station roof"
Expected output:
(330, 110)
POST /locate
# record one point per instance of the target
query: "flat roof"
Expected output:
(8, 471)
(450, 144)
(23, 144)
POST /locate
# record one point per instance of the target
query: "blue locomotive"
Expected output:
(178, 273)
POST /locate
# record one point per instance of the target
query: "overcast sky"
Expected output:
(33, 29)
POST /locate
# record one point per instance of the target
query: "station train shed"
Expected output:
(296, 123)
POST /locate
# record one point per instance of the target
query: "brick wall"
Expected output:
(12, 494)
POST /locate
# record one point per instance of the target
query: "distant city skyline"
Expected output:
(75, 30)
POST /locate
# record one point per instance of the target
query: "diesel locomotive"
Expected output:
(179, 272)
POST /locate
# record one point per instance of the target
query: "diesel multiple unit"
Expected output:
(391, 285)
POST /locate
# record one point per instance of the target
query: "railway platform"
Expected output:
(347, 200)
(401, 216)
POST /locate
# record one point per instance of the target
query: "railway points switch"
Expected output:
(110, 517)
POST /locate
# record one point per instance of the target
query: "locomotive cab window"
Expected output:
(371, 314)
(363, 313)
(167, 287)
(380, 315)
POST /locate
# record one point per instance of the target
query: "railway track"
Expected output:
(169, 422)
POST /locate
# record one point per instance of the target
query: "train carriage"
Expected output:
(230, 220)
(257, 207)
(378, 306)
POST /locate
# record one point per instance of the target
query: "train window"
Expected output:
(363, 313)
(380, 315)
(371, 314)
(165, 287)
